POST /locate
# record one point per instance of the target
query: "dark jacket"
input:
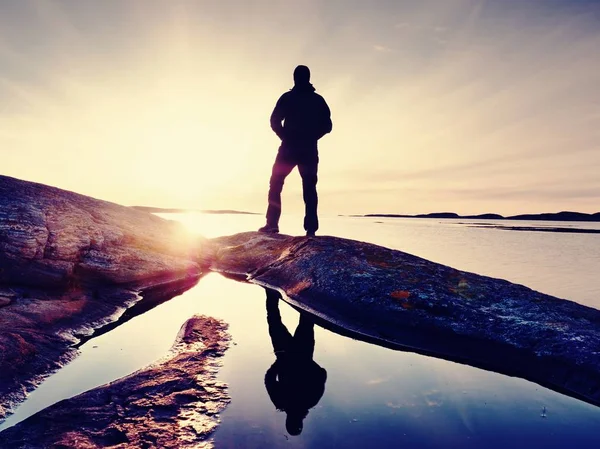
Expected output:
(295, 386)
(305, 116)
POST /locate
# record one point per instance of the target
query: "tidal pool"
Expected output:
(373, 395)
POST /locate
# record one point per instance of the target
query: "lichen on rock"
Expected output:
(396, 299)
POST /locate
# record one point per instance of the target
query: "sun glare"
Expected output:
(169, 106)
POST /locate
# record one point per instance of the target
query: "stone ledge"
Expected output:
(173, 403)
(399, 300)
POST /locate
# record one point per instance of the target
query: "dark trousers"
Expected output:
(299, 347)
(307, 160)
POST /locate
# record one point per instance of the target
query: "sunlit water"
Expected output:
(373, 396)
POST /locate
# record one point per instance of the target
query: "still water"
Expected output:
(373, 396)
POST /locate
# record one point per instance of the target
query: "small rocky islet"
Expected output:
(71, 265)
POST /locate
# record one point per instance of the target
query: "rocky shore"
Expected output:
(72, 266)
(396, 299)
(174, 403)
(53, 238)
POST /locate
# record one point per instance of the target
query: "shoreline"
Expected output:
(553, 216)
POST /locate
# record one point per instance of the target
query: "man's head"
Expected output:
(293, 423)
(301, 75)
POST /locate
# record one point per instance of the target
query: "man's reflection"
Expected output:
(295, 383)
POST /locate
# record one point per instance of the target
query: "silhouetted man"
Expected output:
(295, 383)
(306, 118)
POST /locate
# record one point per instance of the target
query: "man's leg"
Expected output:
(304, 336)
(280, 336)
(308, 172)
(281, 169)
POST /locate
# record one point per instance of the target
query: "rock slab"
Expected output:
(173, 403)
(54, 238)
(396, 299)
(70, 264)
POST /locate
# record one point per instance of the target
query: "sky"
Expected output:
(470, 106)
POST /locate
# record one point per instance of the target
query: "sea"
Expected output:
(374, 396)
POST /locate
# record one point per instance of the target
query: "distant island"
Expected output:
(558, 216)
(166, 210)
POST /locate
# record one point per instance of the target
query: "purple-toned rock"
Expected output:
(174, 403)
(70, 264)
(396, 299)
(4, 301)
(52, 237)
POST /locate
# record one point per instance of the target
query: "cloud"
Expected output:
(403, 26)
(501, 164)
(433, 398)
(514, 193)
(382, 49)
(398, 405)
(436, 105)
(377, 381)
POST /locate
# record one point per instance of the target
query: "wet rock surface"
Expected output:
(172, 404)
(54, 238)
(72, 267)
(40, 329)
(399, 300)
(70, 264)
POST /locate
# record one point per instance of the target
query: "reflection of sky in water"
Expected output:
(373, 396)
(383, 397)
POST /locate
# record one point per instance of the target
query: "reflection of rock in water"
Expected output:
(70, 264)
(295, 382)
(399, 300)
(172, 404)
(40, 330)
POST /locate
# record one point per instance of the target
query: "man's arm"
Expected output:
(273, 388)
(277, 116)
(325, 125)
